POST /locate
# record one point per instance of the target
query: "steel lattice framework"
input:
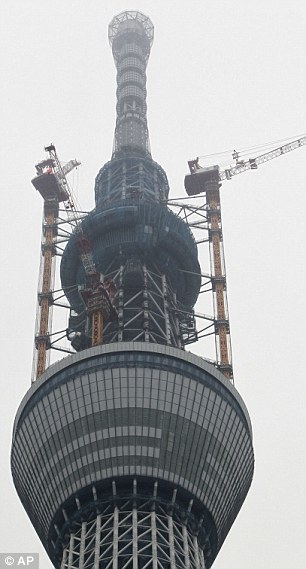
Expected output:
(130, 534)
(146, 308)
(147, 312)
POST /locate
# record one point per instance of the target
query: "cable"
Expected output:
(247, 150)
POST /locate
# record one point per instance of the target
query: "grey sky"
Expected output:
(221, 75)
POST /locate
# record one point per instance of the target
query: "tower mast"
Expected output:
(133, 454)
(131, 59)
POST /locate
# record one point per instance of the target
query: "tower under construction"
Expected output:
(131, 453)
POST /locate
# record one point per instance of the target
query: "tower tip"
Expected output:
(131, 22)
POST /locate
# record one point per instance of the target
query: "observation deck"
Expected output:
(101, 419)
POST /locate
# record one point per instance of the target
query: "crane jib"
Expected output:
(196, 180)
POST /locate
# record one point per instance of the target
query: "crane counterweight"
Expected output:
(199, 178)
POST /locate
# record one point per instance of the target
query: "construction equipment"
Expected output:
(208, 181)
(50, 181)
(52, 184)
(196, 181)
(98, 300)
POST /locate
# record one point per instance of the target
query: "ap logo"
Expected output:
(19, 560)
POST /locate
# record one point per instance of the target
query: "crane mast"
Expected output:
(42, 338)
(51, 182)
(218, 279)
(207, 181)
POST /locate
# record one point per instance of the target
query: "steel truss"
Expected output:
(203, 215)
(146, 306)
(150, 313)
(132, 179)
(133, 534)
(56, 231)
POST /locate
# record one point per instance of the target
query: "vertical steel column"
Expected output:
(44, 296)
(97, 542)
(82, 544)
(218, 278)
(196, 552)
(171, 542)
(176, 323)
(123, 183)
(154, 540)
(115, 538)
(186, 547)
(65, 558)
(120, 305)
(71, 551)
(146, 323)
(135, 543)
(202, 560)
(166, 310)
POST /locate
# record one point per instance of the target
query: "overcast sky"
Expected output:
(222, 75)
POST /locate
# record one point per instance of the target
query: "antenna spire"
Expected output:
(131, 36)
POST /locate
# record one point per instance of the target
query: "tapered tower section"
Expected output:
(131, 37)
(132, 453)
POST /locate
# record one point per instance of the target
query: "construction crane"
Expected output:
(208, 181)
(51, 182)
(195, 185)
